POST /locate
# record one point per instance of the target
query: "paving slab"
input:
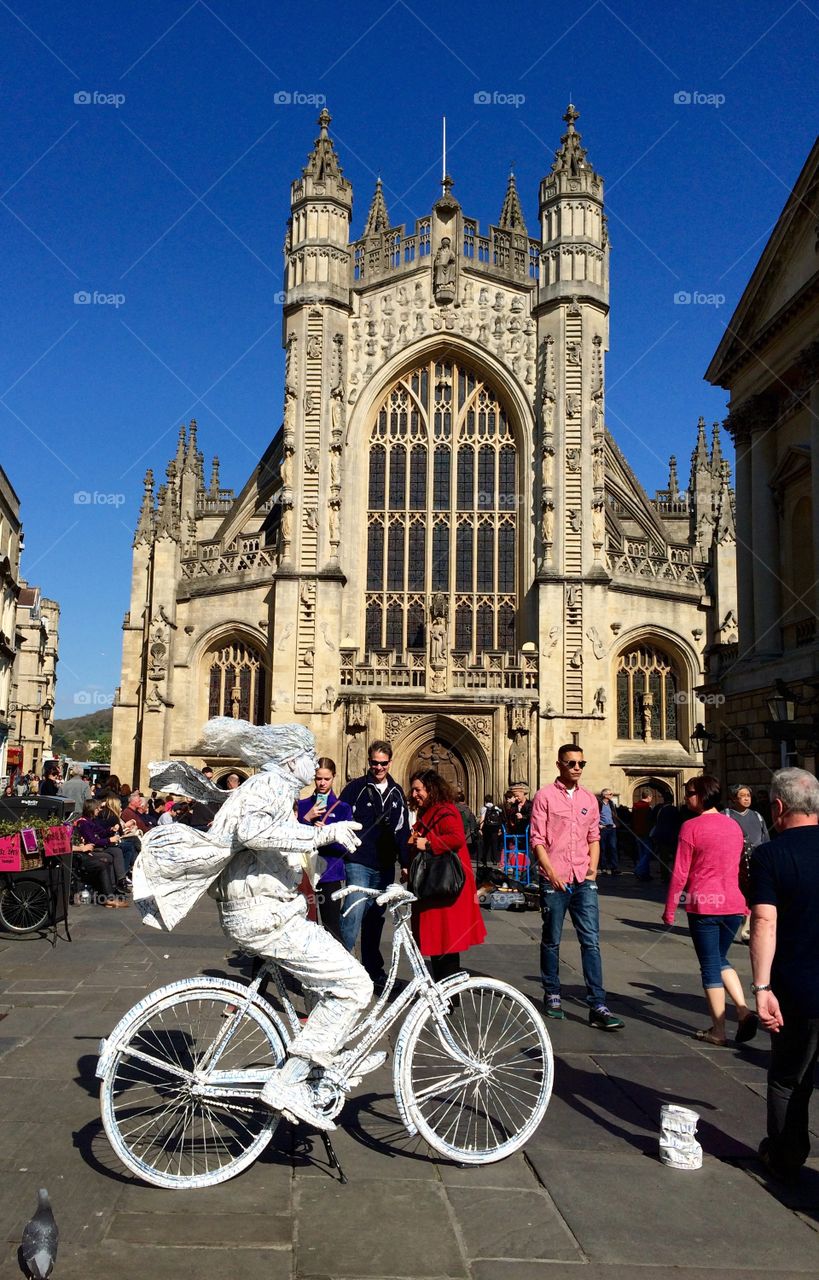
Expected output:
(673, 1216)
(413, 1237)
(122, 1261)
(519, 1224)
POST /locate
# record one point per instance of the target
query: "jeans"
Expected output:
(608, 849)
(365, 917)
(794, 1051)
(642, 867)
(712, 936)
(580, 900)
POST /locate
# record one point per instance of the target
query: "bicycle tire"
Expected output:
(483, 1114)
(156, 1128)
(25, 906)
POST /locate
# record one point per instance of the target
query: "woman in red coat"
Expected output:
(443, 931)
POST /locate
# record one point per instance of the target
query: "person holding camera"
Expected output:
(321, 810)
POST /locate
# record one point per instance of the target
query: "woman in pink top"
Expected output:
(705, 880)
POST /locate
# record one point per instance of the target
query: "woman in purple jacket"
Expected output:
(320, 809)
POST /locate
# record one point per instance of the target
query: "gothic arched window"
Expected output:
(648, 688)
(236, 682)
(442, 512)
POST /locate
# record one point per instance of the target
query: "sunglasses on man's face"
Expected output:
(574, 764)
(379, 764)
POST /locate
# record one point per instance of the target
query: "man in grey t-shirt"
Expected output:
(753, 829)
(77, 789)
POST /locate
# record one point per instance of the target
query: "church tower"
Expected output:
(317, 306)
(572, 324)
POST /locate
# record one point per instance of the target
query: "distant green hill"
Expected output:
(72, 735)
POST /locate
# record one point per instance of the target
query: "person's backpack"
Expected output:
(493, 818)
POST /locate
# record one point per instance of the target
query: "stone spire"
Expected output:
(214, 477)
(378, 219)
(167, 521)
(192, 450)
(699, 457)
(716, 452)
(322, 162)
(180, 450)
(511, 218)
(673, 482)
(145, 524)
(571, 155)
(726, 528)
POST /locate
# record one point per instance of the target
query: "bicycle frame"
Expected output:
(362, 1038)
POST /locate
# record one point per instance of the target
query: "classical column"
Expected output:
(766, 566)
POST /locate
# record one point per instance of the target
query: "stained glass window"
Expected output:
(235, 676)
(423, 462)
(647, 694)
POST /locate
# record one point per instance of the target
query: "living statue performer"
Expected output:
(252, 861)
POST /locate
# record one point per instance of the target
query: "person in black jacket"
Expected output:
(380, 805)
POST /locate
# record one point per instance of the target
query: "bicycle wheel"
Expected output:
(481, 1112)
(157, 1125)
(24, 906)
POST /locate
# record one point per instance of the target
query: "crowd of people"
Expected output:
(736, 876)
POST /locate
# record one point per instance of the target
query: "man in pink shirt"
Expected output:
(565, 835)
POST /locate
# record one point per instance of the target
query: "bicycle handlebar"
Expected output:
(393, 895)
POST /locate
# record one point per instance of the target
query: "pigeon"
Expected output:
(38, 1248)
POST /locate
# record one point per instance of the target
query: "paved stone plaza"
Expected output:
(587, 1198)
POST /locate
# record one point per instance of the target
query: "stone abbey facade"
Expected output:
(442, 545)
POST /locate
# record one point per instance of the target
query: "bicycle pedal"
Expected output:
(371, 1063)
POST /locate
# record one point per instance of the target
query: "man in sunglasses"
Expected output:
(380, 806)
(565, 836)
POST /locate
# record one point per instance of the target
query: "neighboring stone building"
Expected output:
(11, 541)
(769, 361)
(443, 544)
(34, 678)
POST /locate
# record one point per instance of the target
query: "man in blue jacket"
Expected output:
(380, 805)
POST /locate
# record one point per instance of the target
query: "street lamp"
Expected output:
(782, 705)
(701, 739)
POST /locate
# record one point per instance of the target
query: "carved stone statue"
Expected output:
(313, 347)
(598, 648)
(519, 758)
(573, 355)
(600, 702)
(572, 459)
(646, 708)
(356, 756)
(287, 468)
(598, 524)
(311, 460)
(337, 409)
(573, 596)
(572, 404)
(547, 524)
(729, 631)
(289, 422)
(575, 522)
(548, 466)
(334, 523)
(437, 641)
(597, 467)
(443, 272)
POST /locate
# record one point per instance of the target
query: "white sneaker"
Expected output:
(295, 1101)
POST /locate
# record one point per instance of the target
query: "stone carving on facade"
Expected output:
(330, 699)
(573, 600)
(519, 757)
(575, 521)
(311, 519)
(548, 466)
(573, 353)
(286, 529)
(572, 404)
(356, 761)
(310, 404)
(287, 466)
(547, 526)
(594, 638)
(314, 347)
(598, 524)
(646, 708)
(480, 726)
(395, 725)
(598, 467)
(576, 660)
(334, 526)
(729, 630)
(443, 272)
(311, 460)
(572, 459)
(554, 637)
(600, 700)
(325, 630)
(309, 658)
(548, 709)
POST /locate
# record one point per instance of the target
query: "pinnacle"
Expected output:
(378, 219)
(511, 218)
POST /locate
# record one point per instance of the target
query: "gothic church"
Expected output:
(443, 544)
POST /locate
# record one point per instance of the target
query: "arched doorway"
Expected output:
(658, 791)
(440, 741)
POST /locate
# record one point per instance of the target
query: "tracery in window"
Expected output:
(443, 503)
(235, 676)
(648, 684)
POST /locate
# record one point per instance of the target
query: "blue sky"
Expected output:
(167, 194)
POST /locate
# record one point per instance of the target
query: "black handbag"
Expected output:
(436, 876)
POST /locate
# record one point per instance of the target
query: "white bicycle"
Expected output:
(182, 1072)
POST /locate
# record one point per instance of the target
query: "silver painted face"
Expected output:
(303, 767)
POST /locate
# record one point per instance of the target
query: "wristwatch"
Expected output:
(762, 986)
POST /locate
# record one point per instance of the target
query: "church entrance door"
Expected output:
(444, 759)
